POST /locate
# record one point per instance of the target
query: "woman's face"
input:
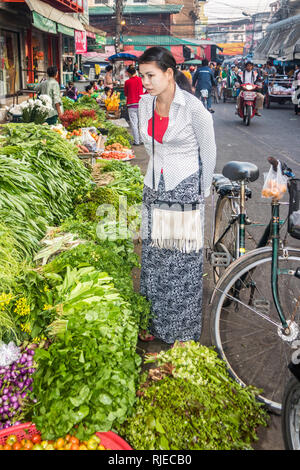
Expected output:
(155, 80)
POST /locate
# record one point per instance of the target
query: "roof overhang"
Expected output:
(137, 10)
(55, 16)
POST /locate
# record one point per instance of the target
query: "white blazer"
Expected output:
(190, 129)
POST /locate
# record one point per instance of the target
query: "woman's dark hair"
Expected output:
(131, 70)
(108, 68)
(204, 62)
(165, 60)
(88, 88)
(52, 71)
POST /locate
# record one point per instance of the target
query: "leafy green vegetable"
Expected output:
(88, 376)
(189, 402)
(41, 177)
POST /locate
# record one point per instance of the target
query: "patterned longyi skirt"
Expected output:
(171, 279)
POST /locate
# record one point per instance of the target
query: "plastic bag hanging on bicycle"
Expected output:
(275, 185)
(294, 209)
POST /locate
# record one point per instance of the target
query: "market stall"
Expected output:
(70, 368)
(280, 90)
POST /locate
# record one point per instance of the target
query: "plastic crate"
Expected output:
(109, 439)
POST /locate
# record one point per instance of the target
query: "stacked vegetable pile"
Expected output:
(41, 178)
(189, 402)
(81, 299)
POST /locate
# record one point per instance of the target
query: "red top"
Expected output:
(133, 89)
(160, 126)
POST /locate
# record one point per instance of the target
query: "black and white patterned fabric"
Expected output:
(190, 128)
(170, 279)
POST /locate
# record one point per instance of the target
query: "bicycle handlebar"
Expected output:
(284, 168)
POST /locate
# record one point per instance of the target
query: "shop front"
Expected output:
(10, 76)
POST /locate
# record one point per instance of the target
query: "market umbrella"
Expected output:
(122, 56)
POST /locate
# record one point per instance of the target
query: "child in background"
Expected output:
(71, 92)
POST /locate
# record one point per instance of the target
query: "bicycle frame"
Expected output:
(272, 231)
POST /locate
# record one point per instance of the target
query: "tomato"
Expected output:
(68, 436)
(60, 443)
(74, 440)
(7, 447)
(50, 447)
(28, 445)
(92, 444)
(74, 447)
(17, 446)
(37, 447)
(96, 438)
(36, 439)
(12, 439)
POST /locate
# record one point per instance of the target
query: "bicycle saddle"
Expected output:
(238, 171)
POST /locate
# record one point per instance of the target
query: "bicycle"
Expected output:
(255, 311)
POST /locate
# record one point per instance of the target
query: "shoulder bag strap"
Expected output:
(153, 172)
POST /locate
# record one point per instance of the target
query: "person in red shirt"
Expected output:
(133, 89)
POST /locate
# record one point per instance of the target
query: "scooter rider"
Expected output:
(248, 75)
(203, 79)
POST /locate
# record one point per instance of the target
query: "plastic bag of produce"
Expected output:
(9, 353)
(275, 185)
(87, 140)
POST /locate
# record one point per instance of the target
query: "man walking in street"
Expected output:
(203, 79)
(133, 89)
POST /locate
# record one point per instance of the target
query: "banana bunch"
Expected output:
(112, 103)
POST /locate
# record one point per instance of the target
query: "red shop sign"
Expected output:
(80, 42)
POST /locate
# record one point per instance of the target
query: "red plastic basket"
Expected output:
(109, 439)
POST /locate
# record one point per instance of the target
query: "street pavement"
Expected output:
(275, 134)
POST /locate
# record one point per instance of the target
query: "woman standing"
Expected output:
(182, 160)
(133, 90)
(108, 80)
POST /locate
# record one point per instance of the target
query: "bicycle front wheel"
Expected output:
(290, 421)
(247, 331)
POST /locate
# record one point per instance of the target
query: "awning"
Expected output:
(156, 40)
(43, 23)
(65, 30)
(52, 15)
(280, 40)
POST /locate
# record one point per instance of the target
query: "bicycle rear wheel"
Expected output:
(247, 331)
(227, 209)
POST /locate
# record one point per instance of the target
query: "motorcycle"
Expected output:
(247, 108)
(290, 416)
